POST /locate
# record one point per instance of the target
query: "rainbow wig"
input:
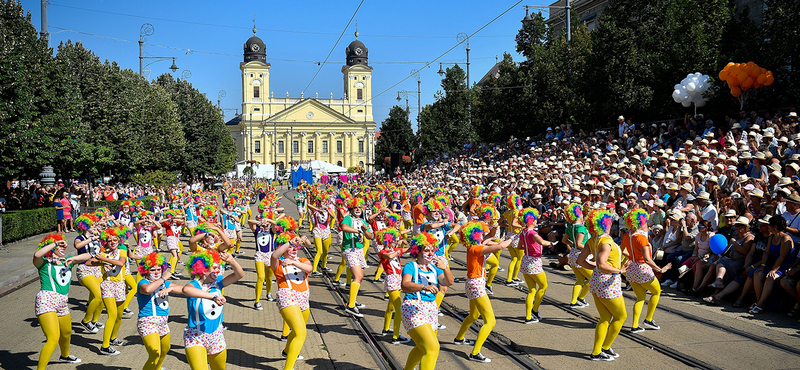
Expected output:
(86, 221)
(204, 228)
(153, 259)
(121, 232)
(635, 219)
(394, 194)
(514, 202)
(392, 220)
(102, 212)
(488, 212)
(268, 215)
(432, 205)
(125, 203)
(145, 213)
(444, 198)
(170, 214)
(202, 261)
(355, 202)
(421, 241)
(495, 198)
(472, 233)
(573, 212)
(284, 238)
(138, 204)
(476, 191)
(417, 197)
(389, 235)
(49, 239)
(598, 222)
(286, 224)
(209, 212)
(528, 215)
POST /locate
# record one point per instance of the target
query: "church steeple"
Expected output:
(254, 48)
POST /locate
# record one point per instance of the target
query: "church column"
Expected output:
(355, 154)
(332, 146)
(317, 144)
(287, 149)
(347, 148)
(303, 146)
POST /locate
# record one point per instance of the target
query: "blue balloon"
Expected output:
(718, 244)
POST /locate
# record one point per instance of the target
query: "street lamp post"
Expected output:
(147, 29)
(567, 7)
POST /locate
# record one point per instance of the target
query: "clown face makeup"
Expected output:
(428, 255)
(154, 273)
(436, 216)
(113, 242)
(60, 250)
(357, 212)
(291, 253)
(213, 272)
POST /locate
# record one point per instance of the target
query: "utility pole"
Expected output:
(569, 29)
(43, 32)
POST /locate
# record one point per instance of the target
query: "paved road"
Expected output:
(561, 340)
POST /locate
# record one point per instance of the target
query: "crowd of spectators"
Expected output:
(734, 176)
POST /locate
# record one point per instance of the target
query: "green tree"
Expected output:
(781, 48)
(397, 136)
(35, 125)
(445, 126)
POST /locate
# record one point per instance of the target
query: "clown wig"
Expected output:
(392, 220)
(153, 259)
(488, 212)
(514, 202)
(389, 235)
(573, 212)
(121, 232)
(355, 202)
(284, 238)
(86, 221)
(209, 212)
(598, 222)
(528, 215)
(635, 219)
(269, 215)
(476, 191)
(202, 261)
(102, 212)
(495, 198)
(472, 233)
(50, 239)
(417, 197)
(125, 203)
(205, 228)
(432, 205)
(286, 224)
(421, 241)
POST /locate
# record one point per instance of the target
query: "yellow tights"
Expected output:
(492, 265)
(354, 287)
(264, 274)
(157, 348)
(393, 306)
(131, 283)
(323, 247)
(612, 316)
(341, 269)
(173, 261)
(94, 307)
(426, 349)
(581, 287)
(452, 241)
(199, 359)
(479, 307)
(114, 311)
(641, 293)
(515, 260)
(537, 285)
(297, 321)
(57, 330)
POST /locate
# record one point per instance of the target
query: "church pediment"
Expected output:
(309, 111)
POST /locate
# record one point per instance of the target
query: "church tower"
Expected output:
(358, 81)
(255, 76)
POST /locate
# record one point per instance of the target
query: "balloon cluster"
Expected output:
(690, 90)
(745, 76)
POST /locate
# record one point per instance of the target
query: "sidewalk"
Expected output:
(16, 266)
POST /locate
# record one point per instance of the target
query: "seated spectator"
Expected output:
(779, 257)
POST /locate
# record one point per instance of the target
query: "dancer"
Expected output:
(203, 338)
(55, 275)
(153, 298)
(89, 276)
(605, 284)
(291, 273)
(390, 260)
(491, 217)
(640, 272)
(300, 201)
(531, 264)
(441, 230)
(173, 223)
(355, 231)
(113, 261)
(575, 237)
(321, 218)
(511, 221)
(264, 230)
(421, 281)
(145, 227)
(472, 236)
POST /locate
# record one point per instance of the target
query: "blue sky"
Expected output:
(401, 36)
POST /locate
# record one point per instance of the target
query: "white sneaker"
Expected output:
(667, 283)
(674, 285)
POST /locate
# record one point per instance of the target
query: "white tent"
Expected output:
(266, 171)
(322, 166)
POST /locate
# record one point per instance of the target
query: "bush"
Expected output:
(114, 205)
(19, 225)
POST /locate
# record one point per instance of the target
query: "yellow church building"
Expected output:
(296, 130)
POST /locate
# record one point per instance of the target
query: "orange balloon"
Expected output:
(736, 92)
(732, 82)
(734, 71)
(741, 76)
(729, 64)
(761, 78)
(747, 69)
(769, 80)
(748, 83)
(751, 64)
(757, 85)
(723, 75)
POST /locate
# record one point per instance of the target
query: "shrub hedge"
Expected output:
(114, 205)
(22, 224)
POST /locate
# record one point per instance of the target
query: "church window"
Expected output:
(257, 146)
(338, 146)
(256, 92)
(361, 164)
(310, 146)
(360, 94)
(339, 163)
(295, 146)
(280, 147)
(324, 146)
(361, 146)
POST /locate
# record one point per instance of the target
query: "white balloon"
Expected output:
(686, 103)
(676, 93)
(700, 103)
(676, 98)
(678, 87)
(684, 96)
(691, 86)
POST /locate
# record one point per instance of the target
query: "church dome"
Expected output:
(255, 49)
(357, 53)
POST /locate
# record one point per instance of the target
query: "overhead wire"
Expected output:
(334, 46)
